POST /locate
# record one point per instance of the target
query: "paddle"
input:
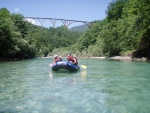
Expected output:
(83, 66)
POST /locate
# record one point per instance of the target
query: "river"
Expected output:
(106, 86)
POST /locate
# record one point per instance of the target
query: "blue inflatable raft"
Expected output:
(65, 65)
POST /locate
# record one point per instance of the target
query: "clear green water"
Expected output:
(106, 86)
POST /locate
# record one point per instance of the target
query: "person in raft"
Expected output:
(56, 59)
(75, 60)
(70, 58)
(60, 58)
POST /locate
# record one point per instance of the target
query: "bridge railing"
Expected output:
(65, 22)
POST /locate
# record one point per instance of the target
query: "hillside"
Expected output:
(81, 28)
(20, 39)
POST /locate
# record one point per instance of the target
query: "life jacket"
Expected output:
(60, 59)
(70, 58)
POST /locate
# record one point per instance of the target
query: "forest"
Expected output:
(20, 39)
(125, 31)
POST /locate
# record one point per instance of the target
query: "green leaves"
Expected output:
(13, 37)
(115, 9)
(126, 28)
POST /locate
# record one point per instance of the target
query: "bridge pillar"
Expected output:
(53, 21)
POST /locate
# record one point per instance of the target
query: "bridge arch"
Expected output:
(65, 22)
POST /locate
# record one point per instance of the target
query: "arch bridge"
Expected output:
(65, 22)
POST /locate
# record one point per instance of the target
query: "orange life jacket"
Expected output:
(70, 58)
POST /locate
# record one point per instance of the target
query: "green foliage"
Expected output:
(20, 39)
(6, 33)
(125, 29)
(49, 39)
(138, 12)
(20, 24)
(80, 28)
(89, 38)
(115, 9)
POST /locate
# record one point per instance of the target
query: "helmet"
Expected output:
(55, 56)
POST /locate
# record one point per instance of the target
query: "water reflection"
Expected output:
(51, 76)
(83, 74)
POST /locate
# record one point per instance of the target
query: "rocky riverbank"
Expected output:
(122, 58)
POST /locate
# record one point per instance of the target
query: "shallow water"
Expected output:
(106, 86)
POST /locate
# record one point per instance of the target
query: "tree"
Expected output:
(115, 9)
(6, 33)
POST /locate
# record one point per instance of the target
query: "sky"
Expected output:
(83, 10)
